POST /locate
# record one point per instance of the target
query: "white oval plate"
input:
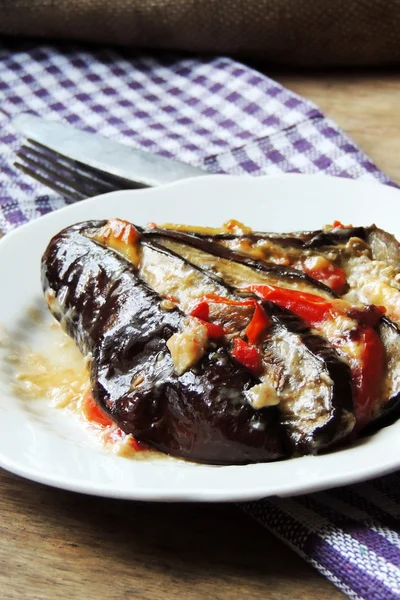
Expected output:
(48, 451)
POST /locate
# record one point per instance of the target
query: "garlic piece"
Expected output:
(167, 305)
(188, 347)
(262, 395)
(317, 262)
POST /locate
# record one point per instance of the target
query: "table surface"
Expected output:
(56, 544)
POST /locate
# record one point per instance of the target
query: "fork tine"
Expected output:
(65, 192)
(71, 179)
(85, 184)
(49, 174)
(106, 178)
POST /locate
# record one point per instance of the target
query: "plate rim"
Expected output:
(201, 495)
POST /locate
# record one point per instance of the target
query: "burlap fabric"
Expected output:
(307, 32)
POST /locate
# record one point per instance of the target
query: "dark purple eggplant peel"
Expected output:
(203, 414)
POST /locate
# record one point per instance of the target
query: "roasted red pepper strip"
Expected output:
(259, 321)
(247, 355)
(310, 307)
(201, 311)
(367, 372)
(214, 330)
(93, 412)
(314, 309)
(121, 230)
(339, 225)
(332, 276)
(257, 325)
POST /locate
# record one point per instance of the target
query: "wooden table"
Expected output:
(366, 105)
(59, 545)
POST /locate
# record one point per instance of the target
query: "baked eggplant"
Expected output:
(133, 304)
(300, 239)
(119, 325)
(314, 383)
(114, 310)
(336, 244)
(383, 245)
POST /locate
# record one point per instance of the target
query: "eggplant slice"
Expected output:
(370, 258)
(265, 271)
(230, 266)
(312, 382)
(118, 324)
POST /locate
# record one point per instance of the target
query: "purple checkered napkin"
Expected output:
(211, 112)
(226, 117)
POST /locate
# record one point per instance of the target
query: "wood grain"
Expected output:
(60, 545)
(56, 544)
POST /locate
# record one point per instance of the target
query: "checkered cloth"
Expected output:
(226, 117)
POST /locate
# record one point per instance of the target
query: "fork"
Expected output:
(69, 178)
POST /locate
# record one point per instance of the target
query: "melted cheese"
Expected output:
(373, 282)
(180, 283)
(337, 327)
(236, 274)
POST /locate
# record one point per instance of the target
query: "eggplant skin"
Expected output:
(116, 320)
(334, 237)
(384, 246)
(297, 239)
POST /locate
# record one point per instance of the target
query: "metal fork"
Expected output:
(69, 178)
